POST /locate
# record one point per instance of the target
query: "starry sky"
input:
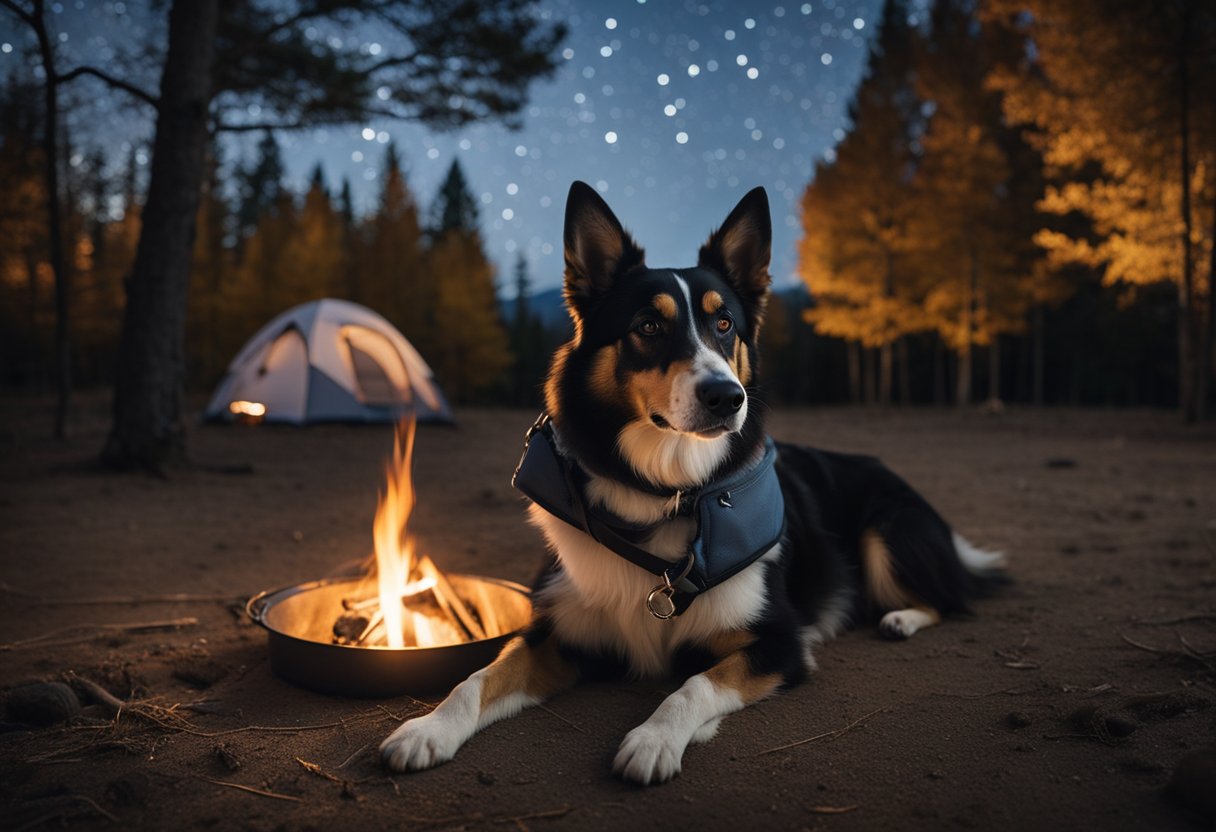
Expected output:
(672, 109)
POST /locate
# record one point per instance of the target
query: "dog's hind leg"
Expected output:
(901, 624)
(903, 614)
(522, 675)
(651, 752)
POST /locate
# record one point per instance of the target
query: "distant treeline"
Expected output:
(1029, 183)
(1022, 209)
(258, 252)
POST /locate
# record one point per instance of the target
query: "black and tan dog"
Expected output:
(685, 541)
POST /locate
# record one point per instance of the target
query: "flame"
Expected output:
(394, 547)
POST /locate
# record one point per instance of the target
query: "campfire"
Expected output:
(404, 626)
(416, 605)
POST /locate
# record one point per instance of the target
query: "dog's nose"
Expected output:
(721, 396)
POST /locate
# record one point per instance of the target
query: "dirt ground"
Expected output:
(1064, 704)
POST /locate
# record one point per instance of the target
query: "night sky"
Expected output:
(673, 110)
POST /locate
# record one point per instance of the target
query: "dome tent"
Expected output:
(328, 361)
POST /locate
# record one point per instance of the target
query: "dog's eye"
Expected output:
(725, 324)
(649, 327)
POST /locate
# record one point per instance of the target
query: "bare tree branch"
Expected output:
(26, 17)
(116, 83)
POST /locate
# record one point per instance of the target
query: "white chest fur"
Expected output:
(598, 601)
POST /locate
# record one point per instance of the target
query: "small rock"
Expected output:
(131, 790)
(44, 703)
(227, 756)
(1194, 783)
(200, 673)
(486, 779)
(1017, 719)
(1060, 462)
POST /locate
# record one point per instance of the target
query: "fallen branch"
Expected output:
(252, 790)
(170, 720)
(833, 810)
(45, 640)
(827, 734)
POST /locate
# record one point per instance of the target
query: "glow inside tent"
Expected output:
(328, 361)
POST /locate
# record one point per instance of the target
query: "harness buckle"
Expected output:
(537, 426)
(659, 602)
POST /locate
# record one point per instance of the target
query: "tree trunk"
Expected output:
(854, 372)
(1187, 399)
(994, 370)
(870, 376)
(905, 372)
(50, 154)
(885, 374)
(962, 391)
(940, 383)
(1207, 360)
(148, 430)
(1038, 325)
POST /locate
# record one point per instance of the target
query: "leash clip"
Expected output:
(537, 426)
(659, 602)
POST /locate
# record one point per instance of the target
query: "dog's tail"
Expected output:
(988, 569)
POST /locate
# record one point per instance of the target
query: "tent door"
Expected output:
(375, 387)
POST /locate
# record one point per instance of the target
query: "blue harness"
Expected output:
(739, 518)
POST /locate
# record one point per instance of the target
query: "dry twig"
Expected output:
(313, 768)
(552, 712)
(826, 735)
(46, 639)
(252, 790)
(833, 810)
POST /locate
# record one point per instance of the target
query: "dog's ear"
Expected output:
(741, 248)
(598, 250)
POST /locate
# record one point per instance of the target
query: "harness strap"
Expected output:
(557, 484)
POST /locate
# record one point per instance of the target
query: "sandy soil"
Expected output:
(1031, 715)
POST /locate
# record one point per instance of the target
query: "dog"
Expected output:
(684, 540)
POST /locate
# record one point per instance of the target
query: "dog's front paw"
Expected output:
(649, 755)
(420, 744)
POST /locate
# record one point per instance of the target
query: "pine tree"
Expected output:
(316, 250)
(528, 342)
(261, 184)
(352, 254)
(1121, 93)
(393, 279)
(470, 349)
(470, 344)
(858, 214)
(971, 219)
(455, 207)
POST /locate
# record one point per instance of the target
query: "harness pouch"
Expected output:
(542, 479)
(740, 521)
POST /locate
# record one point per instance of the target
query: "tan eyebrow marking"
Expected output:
(665, 304)
(711, 302)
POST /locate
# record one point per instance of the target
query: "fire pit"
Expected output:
(303, 650)
(405, 627)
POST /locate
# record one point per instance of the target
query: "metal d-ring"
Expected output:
(660, 602)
